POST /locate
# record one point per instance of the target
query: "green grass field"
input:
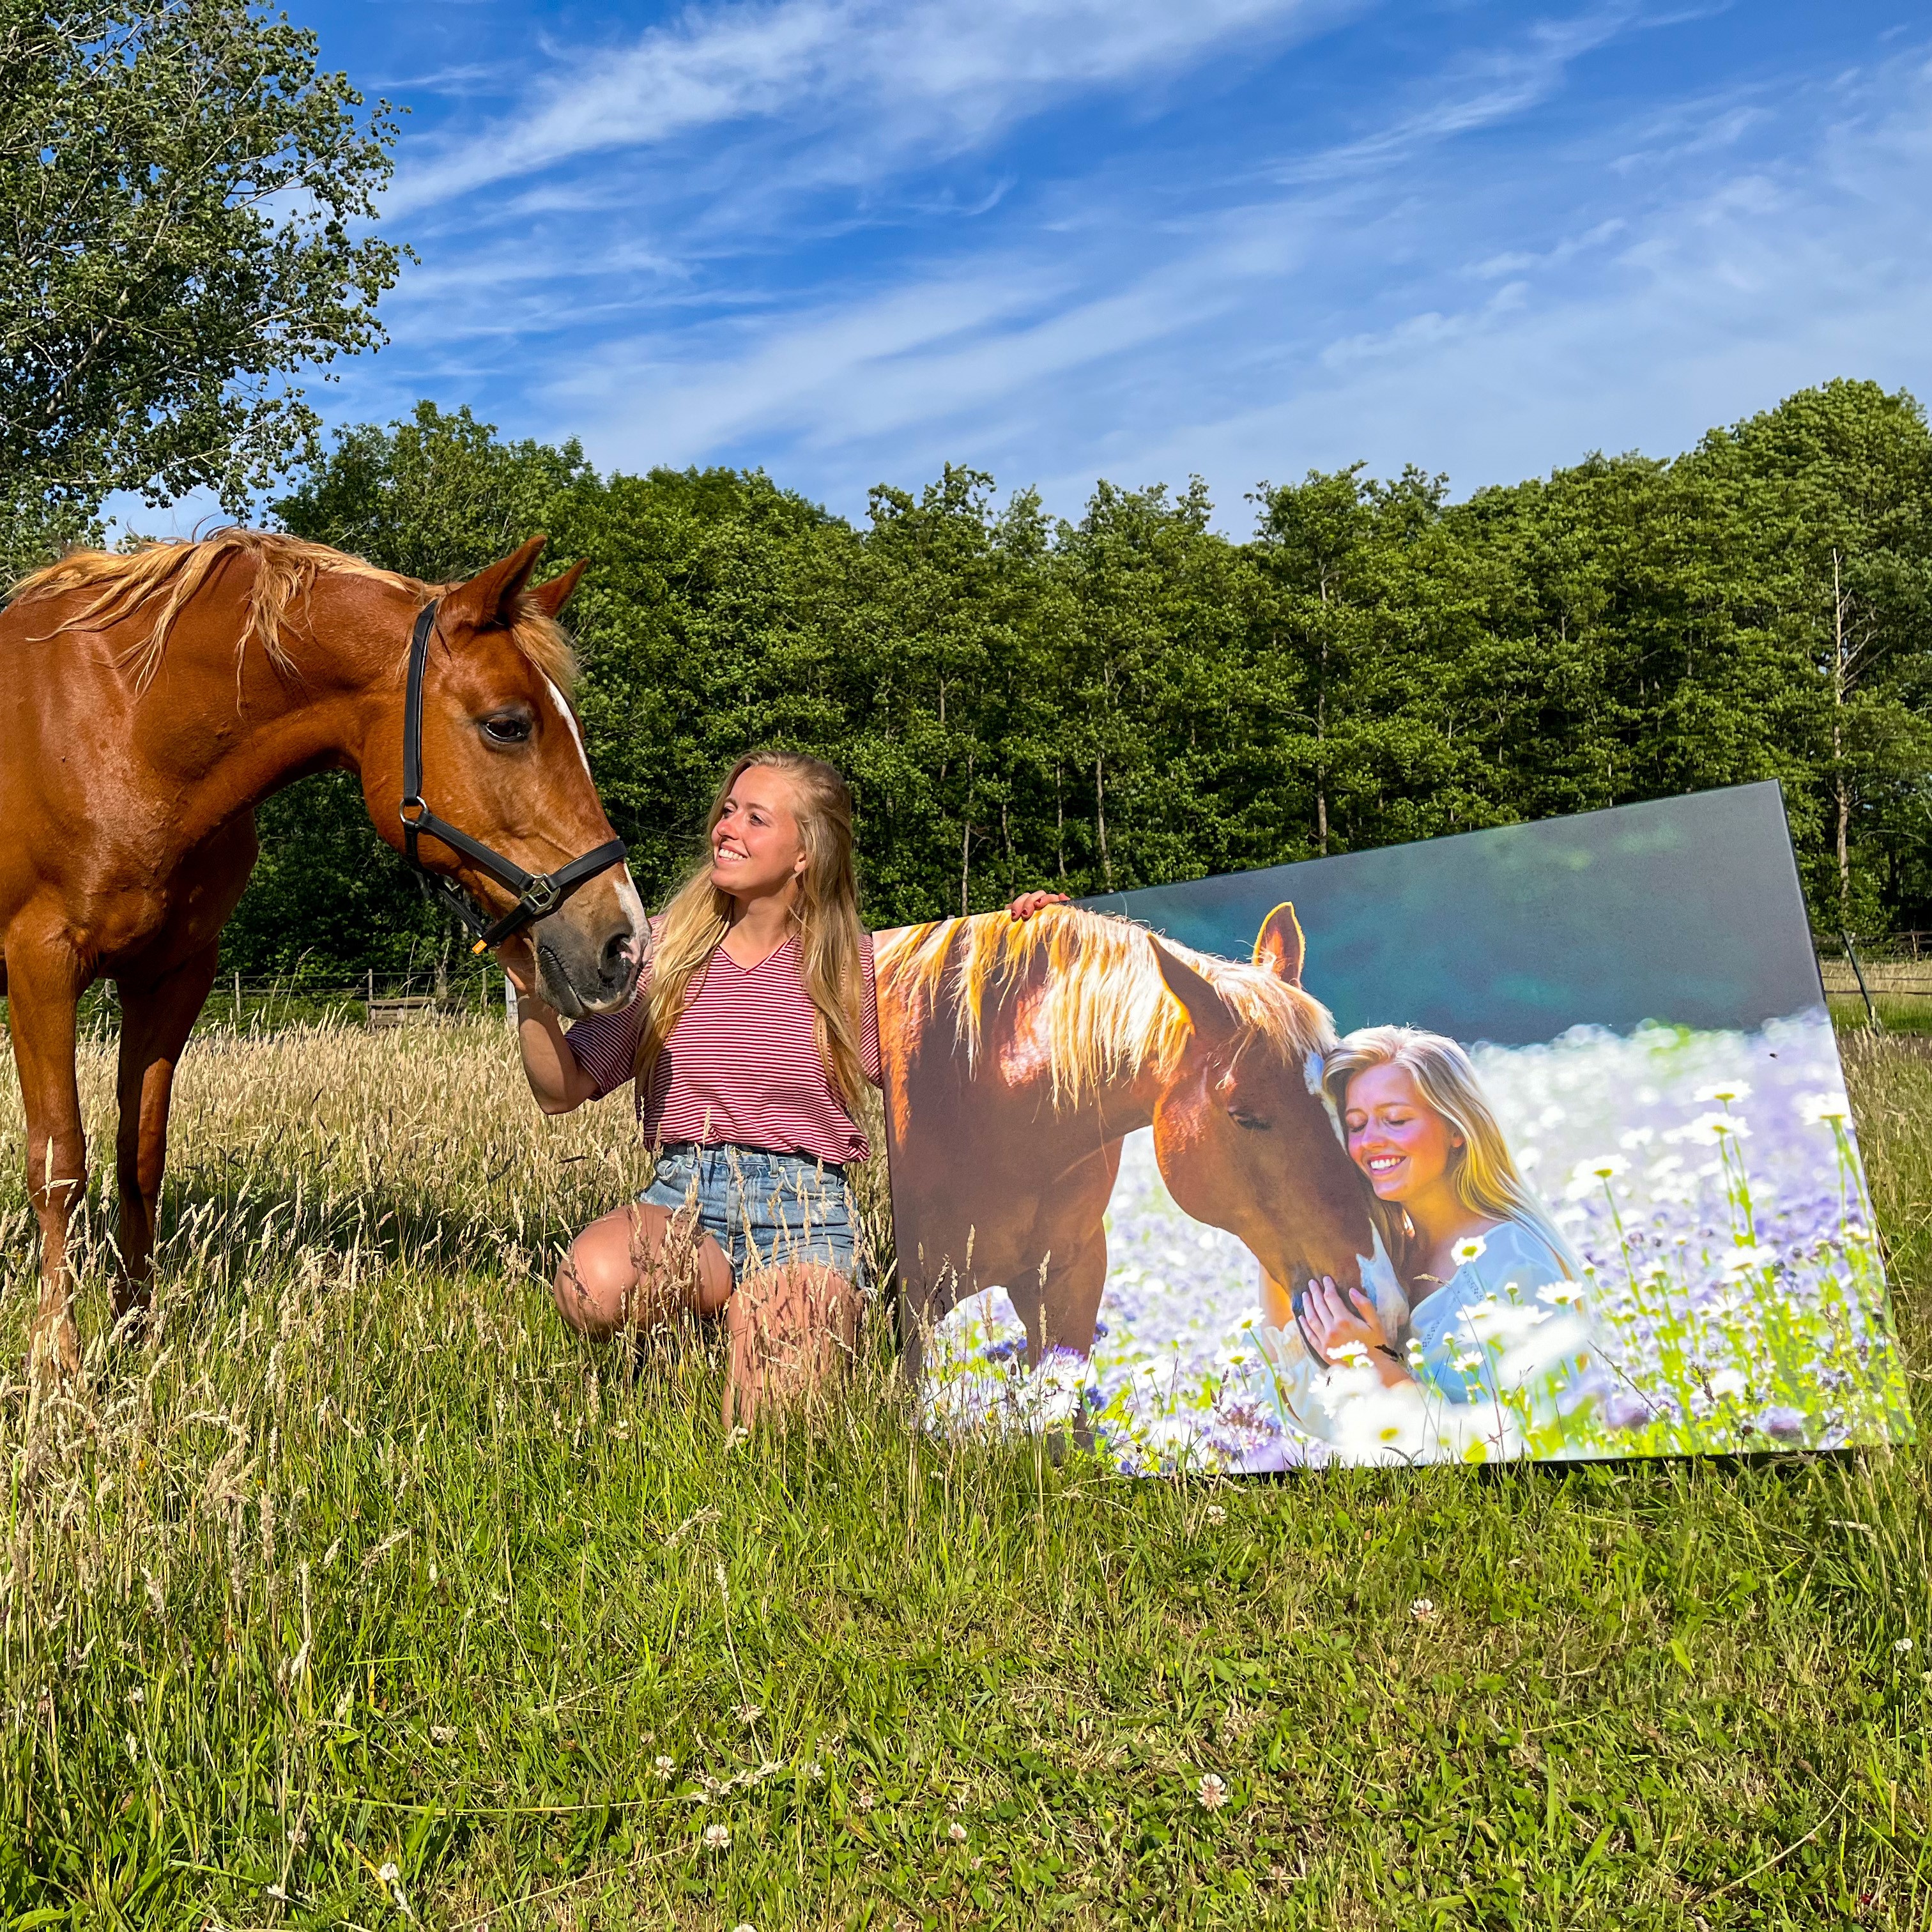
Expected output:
(356, 1595)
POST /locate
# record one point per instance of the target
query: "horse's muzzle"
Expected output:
(588, 957)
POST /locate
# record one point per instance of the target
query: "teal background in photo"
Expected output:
(1685, 910)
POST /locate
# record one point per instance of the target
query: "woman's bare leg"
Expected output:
(637, 1268)
(792, 1330)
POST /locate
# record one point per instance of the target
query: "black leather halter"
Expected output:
(538, 895)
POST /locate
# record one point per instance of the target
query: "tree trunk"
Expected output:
(1841, 787)
(1100, 820)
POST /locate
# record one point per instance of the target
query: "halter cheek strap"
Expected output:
(537, 894)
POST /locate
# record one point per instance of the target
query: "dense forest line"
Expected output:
(1134, 698)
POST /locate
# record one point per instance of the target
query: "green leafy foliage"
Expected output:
(179, 186)
(1133, 698)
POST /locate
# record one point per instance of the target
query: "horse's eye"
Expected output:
(1253, 1123)
(508, 729)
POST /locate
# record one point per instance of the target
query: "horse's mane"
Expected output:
(1106, 1011)
(125, 584)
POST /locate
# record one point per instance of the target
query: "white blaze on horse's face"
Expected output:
(633, 905)
(570, 719)
(1311, 1072)
(1384, 1286)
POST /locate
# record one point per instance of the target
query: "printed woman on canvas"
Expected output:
(754, 1029)
(1485, 1266)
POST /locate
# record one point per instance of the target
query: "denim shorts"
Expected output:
(764, 1210)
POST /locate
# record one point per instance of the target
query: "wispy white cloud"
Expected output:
(825, 236)
(929, 73)
(1368, 315)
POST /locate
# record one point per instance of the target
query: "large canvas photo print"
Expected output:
(1528, 1142)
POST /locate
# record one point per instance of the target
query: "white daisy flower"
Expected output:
(1723, 1090)
(1472, 1249)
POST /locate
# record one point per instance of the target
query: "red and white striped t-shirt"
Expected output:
(741, 1066)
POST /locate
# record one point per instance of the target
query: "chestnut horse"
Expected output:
(1018, 1056)
(149, 702)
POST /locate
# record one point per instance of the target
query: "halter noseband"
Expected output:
(539, 894)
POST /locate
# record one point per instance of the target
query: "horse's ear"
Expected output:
(489, 598)
(1279, 946)
(1213, 1021)
(551, 598)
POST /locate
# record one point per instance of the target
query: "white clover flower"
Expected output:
(1817, 1109)
(664, 1767)
(1211, 1793)
(718, 1836)
(956, 1832)
(1422, 1609)
(1903, 1646)
(1472, 1248)
(1561, 1294)
(1215, 1514)
(1723, 1090)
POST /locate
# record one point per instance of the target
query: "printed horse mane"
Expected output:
(127, 583)
(1105, 1012)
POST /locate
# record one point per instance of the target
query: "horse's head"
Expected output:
(503, 760)
(1243, 1132)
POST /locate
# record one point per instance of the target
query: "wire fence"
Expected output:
(240, 1003)
(1886, 977)
(1881, 980)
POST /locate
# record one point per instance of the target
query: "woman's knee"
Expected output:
(636, 1268)
(596, 1287)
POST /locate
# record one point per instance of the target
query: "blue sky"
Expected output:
(851, 240)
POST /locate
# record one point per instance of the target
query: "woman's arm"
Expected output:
(560, 1084)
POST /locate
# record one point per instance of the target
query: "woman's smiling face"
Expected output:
(755, 846)
(1395, 1137)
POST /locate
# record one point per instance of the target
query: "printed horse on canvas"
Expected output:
(1018, 1056)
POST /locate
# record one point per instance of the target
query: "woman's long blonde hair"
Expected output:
(826, 917)
(1482, 1170)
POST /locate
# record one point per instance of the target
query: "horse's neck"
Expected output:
(1127, 1104)
(234, 729)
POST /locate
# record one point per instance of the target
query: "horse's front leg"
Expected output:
(43, 992)
(156, 1020)
(1061, 1306)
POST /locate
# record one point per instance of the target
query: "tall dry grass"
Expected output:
(354, 1592)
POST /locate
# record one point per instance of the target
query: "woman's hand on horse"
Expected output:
(519, 963)
(1028, 904)
(1337, 1317)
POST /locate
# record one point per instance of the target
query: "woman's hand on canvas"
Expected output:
(1028, 904)
(1335, 1317)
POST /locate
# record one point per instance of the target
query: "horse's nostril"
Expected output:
(611, 961)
